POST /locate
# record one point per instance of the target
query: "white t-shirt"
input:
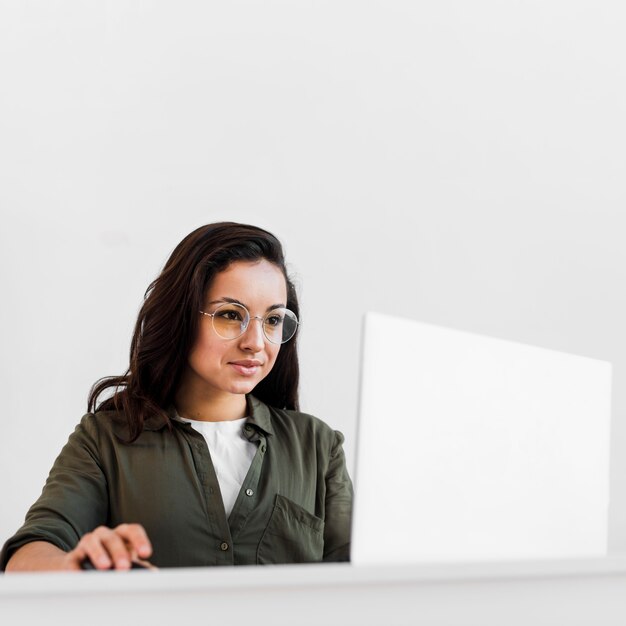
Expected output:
(231, 454)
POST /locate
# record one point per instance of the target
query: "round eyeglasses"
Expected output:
(231, 320)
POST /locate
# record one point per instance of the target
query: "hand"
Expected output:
(112, 548)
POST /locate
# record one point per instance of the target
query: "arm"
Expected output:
(59, 529)
(338, 515)
(106, 548)
(39, 556)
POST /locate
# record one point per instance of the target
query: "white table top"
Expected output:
(577, 591)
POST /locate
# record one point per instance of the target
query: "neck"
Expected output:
(207, 407)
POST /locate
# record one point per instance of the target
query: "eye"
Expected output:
(274, 320)
(229, 315)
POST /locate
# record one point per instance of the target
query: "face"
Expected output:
(236, 366)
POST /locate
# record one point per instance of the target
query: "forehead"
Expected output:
(255, 282)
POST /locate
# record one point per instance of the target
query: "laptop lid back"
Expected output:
(476, 448)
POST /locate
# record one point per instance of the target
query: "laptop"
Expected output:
(473, 448)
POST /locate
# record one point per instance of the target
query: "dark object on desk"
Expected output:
(86, 564)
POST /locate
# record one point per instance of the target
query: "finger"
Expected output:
(91, 546)
(74, 558)
(136, 537)
(118, 550)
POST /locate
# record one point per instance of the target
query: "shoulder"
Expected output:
(103, 425)
(303, 421)
(291, 423)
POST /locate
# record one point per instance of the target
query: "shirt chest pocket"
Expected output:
(292, 535)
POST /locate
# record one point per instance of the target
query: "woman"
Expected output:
(199, 456)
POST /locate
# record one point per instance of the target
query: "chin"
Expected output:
(243, 387)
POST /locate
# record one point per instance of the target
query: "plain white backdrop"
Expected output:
(459, 163)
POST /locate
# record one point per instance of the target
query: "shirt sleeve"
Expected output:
(338, 513)
(74, 499)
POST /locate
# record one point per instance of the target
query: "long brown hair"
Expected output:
(168, 323)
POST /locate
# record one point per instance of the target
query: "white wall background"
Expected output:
(457, 162)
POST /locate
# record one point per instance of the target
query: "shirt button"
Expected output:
(224, 546)
(247, 428)
(249, 492)
(262, 448)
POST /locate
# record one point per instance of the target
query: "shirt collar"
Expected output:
(156, 422)
(259, 416)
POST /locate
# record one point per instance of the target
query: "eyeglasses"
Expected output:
(231, 320)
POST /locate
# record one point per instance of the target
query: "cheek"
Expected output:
(272, 354)
(205, 349)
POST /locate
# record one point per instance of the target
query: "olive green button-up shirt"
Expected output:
(294, 505)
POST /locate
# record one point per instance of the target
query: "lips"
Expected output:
(247, 367)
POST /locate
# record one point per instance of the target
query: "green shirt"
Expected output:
(294, 505)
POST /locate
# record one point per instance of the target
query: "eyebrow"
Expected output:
(235, 301)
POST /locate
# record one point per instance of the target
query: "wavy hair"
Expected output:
(168, 323)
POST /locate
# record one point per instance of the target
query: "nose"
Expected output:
(253, 339)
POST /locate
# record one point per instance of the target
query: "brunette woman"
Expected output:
(198, 455)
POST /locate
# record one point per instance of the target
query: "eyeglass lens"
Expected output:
(231, 321)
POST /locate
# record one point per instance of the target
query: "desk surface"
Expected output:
(532, 592)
